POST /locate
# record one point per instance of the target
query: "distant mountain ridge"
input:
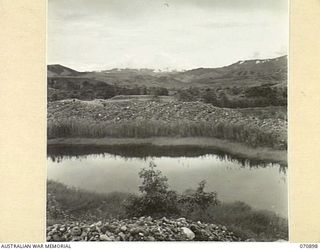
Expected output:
(243, 73)
(268, 69)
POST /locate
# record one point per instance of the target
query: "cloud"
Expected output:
(79, 9)
(91, 9)
(282, 51)
(147, 33)
(256, 55)
(230, 24)
(243, 5)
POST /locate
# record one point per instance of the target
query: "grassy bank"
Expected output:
(246, 222)
(249, 135)
(80, 205)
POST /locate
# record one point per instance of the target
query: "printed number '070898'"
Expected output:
(308, 245)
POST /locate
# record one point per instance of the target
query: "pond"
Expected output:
(262, 185)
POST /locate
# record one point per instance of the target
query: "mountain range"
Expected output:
(245, 73)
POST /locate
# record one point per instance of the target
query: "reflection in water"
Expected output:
(59, 152)
(261, 186)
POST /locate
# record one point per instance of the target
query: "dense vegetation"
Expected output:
(231, 97)
(61, 88)
(236, 97)
(157, 200)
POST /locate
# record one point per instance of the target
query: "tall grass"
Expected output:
(246, 222)
(251, 135)
(85, 205)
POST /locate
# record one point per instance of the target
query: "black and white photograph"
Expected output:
(167, 120)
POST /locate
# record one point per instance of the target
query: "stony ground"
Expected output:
(135, 229)
(117, 111)
(140, 229)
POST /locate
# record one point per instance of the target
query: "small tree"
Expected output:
(157, 201)
(153, 182)
(205, 199)
(155, 198)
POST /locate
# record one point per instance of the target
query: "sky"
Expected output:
(164, 34)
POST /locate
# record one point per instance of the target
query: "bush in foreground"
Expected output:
(157, 201)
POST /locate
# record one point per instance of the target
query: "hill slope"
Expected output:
(241, 73)
(59, 70)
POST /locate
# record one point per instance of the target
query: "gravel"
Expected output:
(140, 229)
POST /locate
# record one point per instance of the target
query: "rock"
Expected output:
(190, 235)
(149, 219)
(76, 238)
(122, 236)
(136, 230)
(104, 229)
(182, 220)
(56, 237)
(165, 220)
(104, 237)
(99, 224)
(83, 234)
(142, 229)
(76, 231)
(150, 238)
(250, 240)
(281, 240)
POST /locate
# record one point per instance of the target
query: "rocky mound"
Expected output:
(172, 112)
(140, 229)
(105, 110)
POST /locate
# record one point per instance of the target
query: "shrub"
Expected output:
(210, 96)
(189, 95)
(155, 199)
(198, 201)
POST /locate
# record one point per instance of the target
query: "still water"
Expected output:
(261, 185)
